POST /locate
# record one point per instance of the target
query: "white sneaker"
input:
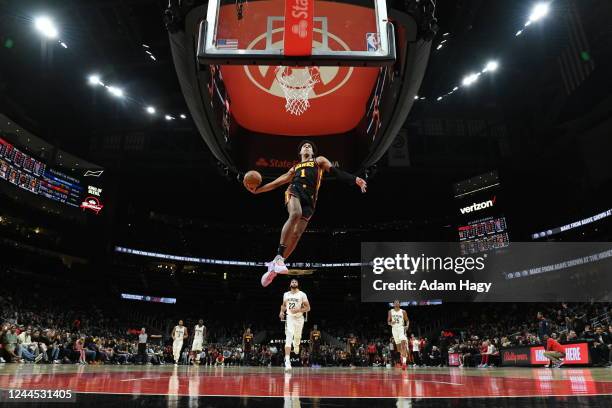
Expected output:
(279, 266)
(287, 365)
(269, 276)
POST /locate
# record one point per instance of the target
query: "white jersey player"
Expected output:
(199, 334)
(398, 320)
(179, 333)
(295, 304)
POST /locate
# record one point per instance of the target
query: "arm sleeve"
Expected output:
(342, 175)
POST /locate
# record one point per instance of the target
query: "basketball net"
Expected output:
(297, 82)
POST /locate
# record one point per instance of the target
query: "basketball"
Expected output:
(252, 179)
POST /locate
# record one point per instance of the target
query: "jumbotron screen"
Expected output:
(34, 176)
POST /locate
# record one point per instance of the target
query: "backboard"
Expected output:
(297, 33)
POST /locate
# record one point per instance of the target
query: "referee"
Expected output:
(142, 346)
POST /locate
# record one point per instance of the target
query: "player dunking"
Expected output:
(295, 304)
(199, 334)
(304, 180)
(179, 333)
(398, 320)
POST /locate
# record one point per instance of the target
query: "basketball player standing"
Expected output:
(179, 333)
(199, 334)
(247, 345)
(398, 320)
(301, 199)
(315, 345)
(295, 304)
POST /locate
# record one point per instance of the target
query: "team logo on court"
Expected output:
(330, 78)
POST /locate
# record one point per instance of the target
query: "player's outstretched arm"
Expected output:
(281, 180)
(282, 310)
(341, 175)
(389, 318)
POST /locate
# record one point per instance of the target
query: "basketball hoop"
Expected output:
(297, 82)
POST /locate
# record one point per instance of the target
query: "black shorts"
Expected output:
(306, 201)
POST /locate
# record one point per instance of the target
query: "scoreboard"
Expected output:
(481, 224)
(23, 171)
(483, 235)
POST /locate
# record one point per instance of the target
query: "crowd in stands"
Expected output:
(479, 343)
(31, 333)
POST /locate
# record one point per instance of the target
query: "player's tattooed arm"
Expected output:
(389, 318)
(341, 175)
(281, 180)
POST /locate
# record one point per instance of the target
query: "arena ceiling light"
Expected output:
(118, 92)
(491, 66)
(46, 27)
(539, 11)
(468, 80)
(94, 79)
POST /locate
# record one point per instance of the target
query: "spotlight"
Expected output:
(63, 44)
(151, 110)
(183, 116)
(470, 79)
(118, 92)
(46, 27)
(519, 32)
(168, 117)
(416, 97)
(539, 12)
(455, 88)
(94, 79)
(491, 66)
(439, 98)
(439, 47)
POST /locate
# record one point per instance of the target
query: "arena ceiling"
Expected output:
(45, 89)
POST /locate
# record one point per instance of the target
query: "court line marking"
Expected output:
(145, 378)
(407, 379)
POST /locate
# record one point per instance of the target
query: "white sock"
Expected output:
(287, 358)
(403, 360)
